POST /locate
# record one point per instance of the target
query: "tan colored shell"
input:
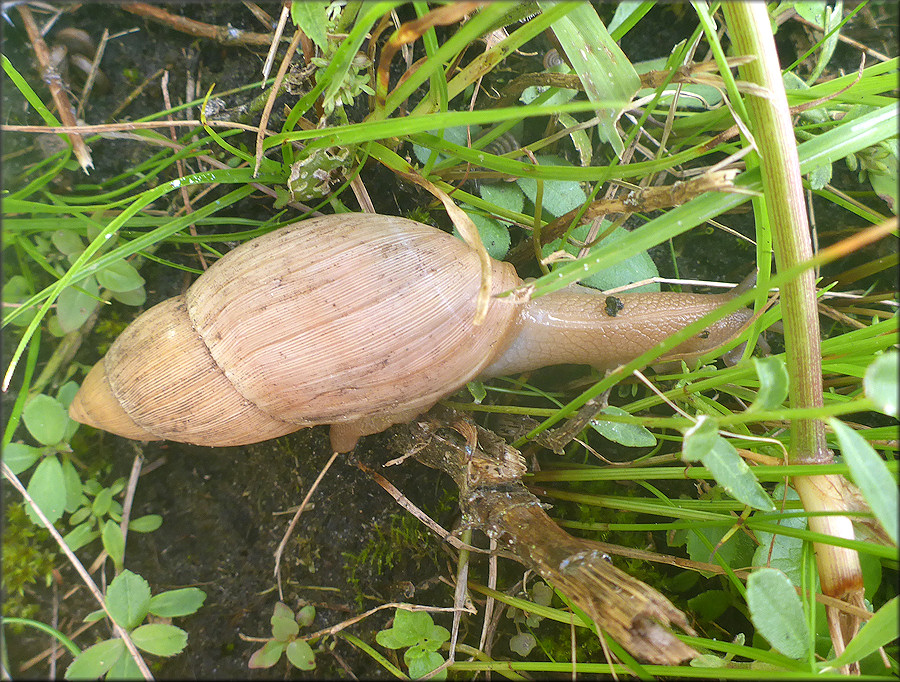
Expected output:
(356, 320)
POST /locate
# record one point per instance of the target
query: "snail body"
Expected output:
(358, 321)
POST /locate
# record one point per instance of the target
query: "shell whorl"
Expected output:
(341, 319)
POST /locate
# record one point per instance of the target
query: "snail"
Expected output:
(359, 321)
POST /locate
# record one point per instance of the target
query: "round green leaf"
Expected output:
(48, 490)
(74, 306)
(67, 242)
(159, 639)
(638, 268)
(423, 662)
(135, 297)
(522, 644)
(96, 661)
(120, 276)
(284, 628)
(45, 419)
(559, 196)
(494, 235)
(301, 655)
(306, 615)
(503, 194)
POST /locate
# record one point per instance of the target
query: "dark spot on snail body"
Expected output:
(704, 334)
(613, 305)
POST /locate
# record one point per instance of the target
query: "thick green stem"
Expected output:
(770, 122)
(773, 131)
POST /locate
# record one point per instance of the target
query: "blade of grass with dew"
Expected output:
(603, 68)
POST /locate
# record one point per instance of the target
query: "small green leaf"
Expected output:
(120, 276)
(74, 306)
(504, 195)
(67, 242)
(284, 626)
(881, 383)
(773, 383)
(284, 629)
(782, 551)
(542, 593)
(96, 661)
(47, 488)
(477, 391)
(73, 487)
(128, 599)
(637, 268)
(409, 628)
(176, 603)
(711, 604)
(46, 419)
(81, 515)
(522, 644)
(66, 393)
(301, 655)
(629, 435)
(267, 656)
(421, 663)
(777, 612)
(102, 502)
(134, 298)
(79, 536)
(94, 616)
(725, 464)
(113, 542)
(306, 616)
(871, 475)
(700, 439)
(813, 12)
(125, 669)
(559, 196)
(494, 235)
(821, 176)
(312, 19)
(159, 639)
(145, 524)
(19, 457)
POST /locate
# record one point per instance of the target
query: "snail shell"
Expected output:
(359, 321)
